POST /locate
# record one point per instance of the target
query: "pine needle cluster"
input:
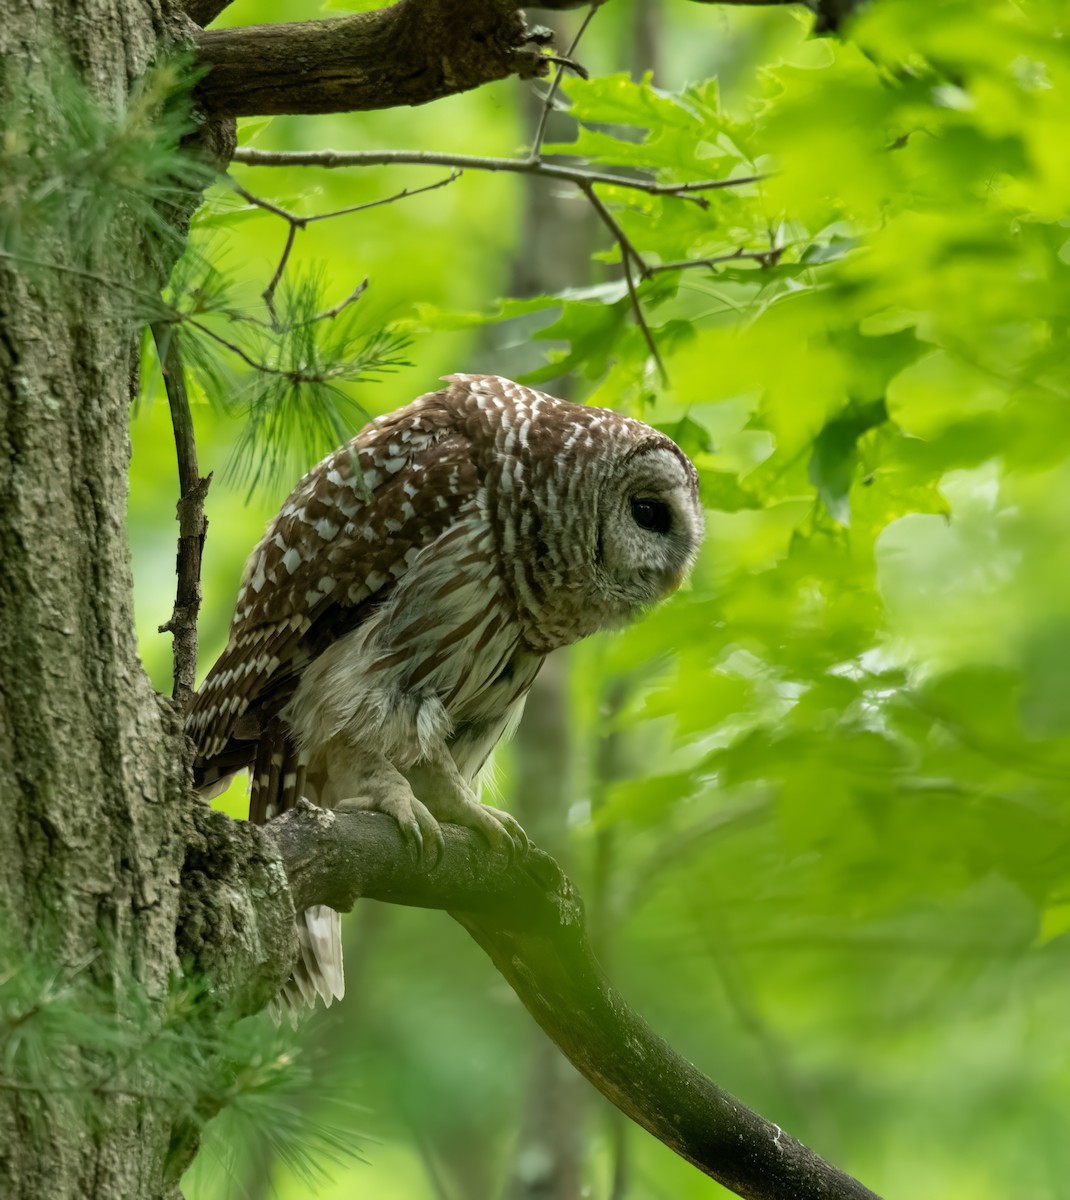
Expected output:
(76, 171)
(281, 373)
(73, 1049)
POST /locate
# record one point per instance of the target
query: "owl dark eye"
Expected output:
(652, 515)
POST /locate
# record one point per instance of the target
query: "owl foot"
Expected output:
(448, 798)
(418, 827)
(418, 799)
(502, 831)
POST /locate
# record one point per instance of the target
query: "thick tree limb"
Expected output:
(528, 918)
(204, 12)
(413, 52)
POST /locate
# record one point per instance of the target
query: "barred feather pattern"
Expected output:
(396, 611)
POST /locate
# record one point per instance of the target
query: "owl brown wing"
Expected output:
(334, 552)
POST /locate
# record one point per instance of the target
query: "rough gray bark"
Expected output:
(104, 856)
(91, 823)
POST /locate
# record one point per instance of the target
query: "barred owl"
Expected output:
(398, 608)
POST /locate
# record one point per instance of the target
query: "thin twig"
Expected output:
(266, 368)
(336, 159)
(548, 103)
(268, 293)
(301, 221)
(766, 258)
(330, 313)
(563, 63)
(627, 254)
(627, 247)
(192, 524)
(297, 221)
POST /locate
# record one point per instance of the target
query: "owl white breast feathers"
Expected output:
(396, 611)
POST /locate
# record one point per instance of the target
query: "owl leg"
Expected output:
(364, 781)
(446, 795)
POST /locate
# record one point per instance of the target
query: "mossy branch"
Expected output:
(528, 917)
(411, 52)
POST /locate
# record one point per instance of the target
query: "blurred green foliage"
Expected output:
(836, 819)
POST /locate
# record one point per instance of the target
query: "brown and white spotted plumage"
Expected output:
(396, 611)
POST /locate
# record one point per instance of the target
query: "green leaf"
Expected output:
(834, 460)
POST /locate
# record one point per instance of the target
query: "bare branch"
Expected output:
(765, 258)
(548, 103)
(628, 255)
(192, 524)
(528, 917)
(533, 165)
(301, 221)
(337, 159)
(297, 221)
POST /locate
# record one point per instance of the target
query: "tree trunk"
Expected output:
(100, 901)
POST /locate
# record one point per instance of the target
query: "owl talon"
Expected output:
(501, 831)
(439, 844)
(422, 837)
(418, 827)
(414, 839)
(513, 830)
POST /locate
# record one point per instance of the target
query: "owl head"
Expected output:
(647, 522)
(598, 515)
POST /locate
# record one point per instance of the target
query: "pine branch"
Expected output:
(528, 918)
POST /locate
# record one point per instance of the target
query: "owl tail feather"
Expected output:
(318, 970)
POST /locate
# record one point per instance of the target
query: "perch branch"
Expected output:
(192, 524)
(528, 918)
